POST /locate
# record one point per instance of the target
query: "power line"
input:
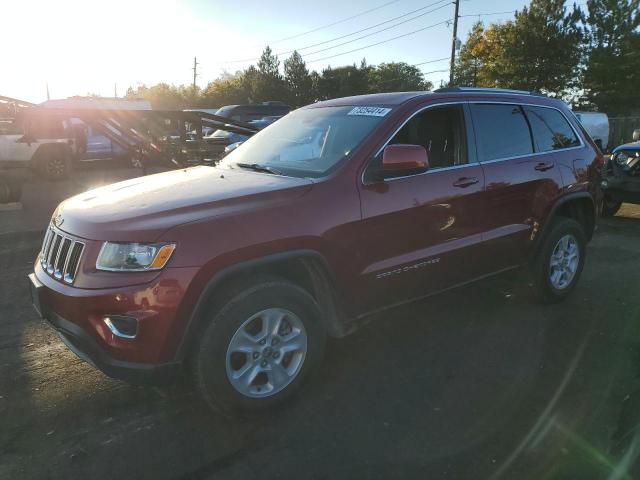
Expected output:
(487, 14)
(381, 42)
(370, 27)
(377, 31)
(306, 47)
(334, 23)
(430, 61)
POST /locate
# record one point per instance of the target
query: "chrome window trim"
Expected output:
(478, 161)
(428, 171)
(519, 104)
(529, 155)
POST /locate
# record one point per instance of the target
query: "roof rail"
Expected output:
(486, 90)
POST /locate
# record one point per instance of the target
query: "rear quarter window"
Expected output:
(501, 131)
(551, 130)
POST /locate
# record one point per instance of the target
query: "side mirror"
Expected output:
(636, 135)
(404, 158)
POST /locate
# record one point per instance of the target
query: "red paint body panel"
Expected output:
(384, 243)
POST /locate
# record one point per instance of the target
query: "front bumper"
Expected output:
(78, 316)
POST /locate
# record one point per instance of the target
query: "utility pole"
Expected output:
(195, 72)
(453, 42)
(115, 90)
(48, 97)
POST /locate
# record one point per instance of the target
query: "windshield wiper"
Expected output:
(256, 167)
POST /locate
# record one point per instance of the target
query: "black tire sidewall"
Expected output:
(546, 291)
(210, 355)
(609, 210)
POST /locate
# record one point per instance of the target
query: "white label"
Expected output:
(370, 111)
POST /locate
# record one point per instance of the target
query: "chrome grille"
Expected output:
(60, 255)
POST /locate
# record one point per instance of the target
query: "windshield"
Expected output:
(308, 142)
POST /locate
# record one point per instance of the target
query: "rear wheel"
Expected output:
(560, 261)
(259, 347)
(609, 206)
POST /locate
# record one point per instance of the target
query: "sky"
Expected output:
(81, 47)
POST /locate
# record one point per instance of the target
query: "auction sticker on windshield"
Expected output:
(370, 111)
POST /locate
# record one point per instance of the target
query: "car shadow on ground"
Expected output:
(477, 382)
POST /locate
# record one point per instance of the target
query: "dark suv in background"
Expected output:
(237, 273)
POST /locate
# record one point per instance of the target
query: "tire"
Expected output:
(233, 382)
(53, 165)
(5, 192)
(550, 284)
(15, 192)
(609, 207)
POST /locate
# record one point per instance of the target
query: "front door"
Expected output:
(418, 232)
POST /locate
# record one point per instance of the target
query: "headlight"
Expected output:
(134, 257)
(622, 159)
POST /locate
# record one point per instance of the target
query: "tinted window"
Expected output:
(501, 131)
(551, 131)
(441, 132)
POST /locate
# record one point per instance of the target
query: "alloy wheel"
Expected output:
(564, 262)
(266, 353)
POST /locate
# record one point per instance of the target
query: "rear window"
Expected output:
(551, 130)
(501, 131)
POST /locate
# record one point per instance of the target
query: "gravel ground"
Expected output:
(476, 383)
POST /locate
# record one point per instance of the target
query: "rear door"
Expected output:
(520, 181)
(418, 233)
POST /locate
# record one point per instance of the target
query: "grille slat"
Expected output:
(74, 260)
(53, 252)
(60, 256)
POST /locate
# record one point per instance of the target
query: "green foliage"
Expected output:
(612, 74)
(299, 82)
(541, 49)
(297, 86)
(397, 77)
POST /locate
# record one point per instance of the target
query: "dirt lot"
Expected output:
(476, 383)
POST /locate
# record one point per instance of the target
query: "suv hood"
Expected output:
(141, 209)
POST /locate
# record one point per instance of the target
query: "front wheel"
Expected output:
(560, 261)
(258, 348)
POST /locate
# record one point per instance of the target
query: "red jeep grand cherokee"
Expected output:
(238, 272)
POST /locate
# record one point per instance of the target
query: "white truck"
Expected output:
(45, 146)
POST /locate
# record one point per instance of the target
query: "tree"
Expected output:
(397, 77)
(267, 83)
(343, 82)
(472, 58)
(541, 49)
(298, 80)
(612, 74)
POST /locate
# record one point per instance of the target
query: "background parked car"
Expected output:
(246, 113)
(45, 145)
(621, 177)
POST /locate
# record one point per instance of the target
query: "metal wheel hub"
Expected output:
(266, 353)
(564, 262)
(55, 166)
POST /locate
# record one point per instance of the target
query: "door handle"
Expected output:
(543, 167)
(465, 182)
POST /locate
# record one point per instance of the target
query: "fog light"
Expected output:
(122, 326)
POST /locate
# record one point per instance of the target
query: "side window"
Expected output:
(502, 131)
(551, 131)
(440, 130)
